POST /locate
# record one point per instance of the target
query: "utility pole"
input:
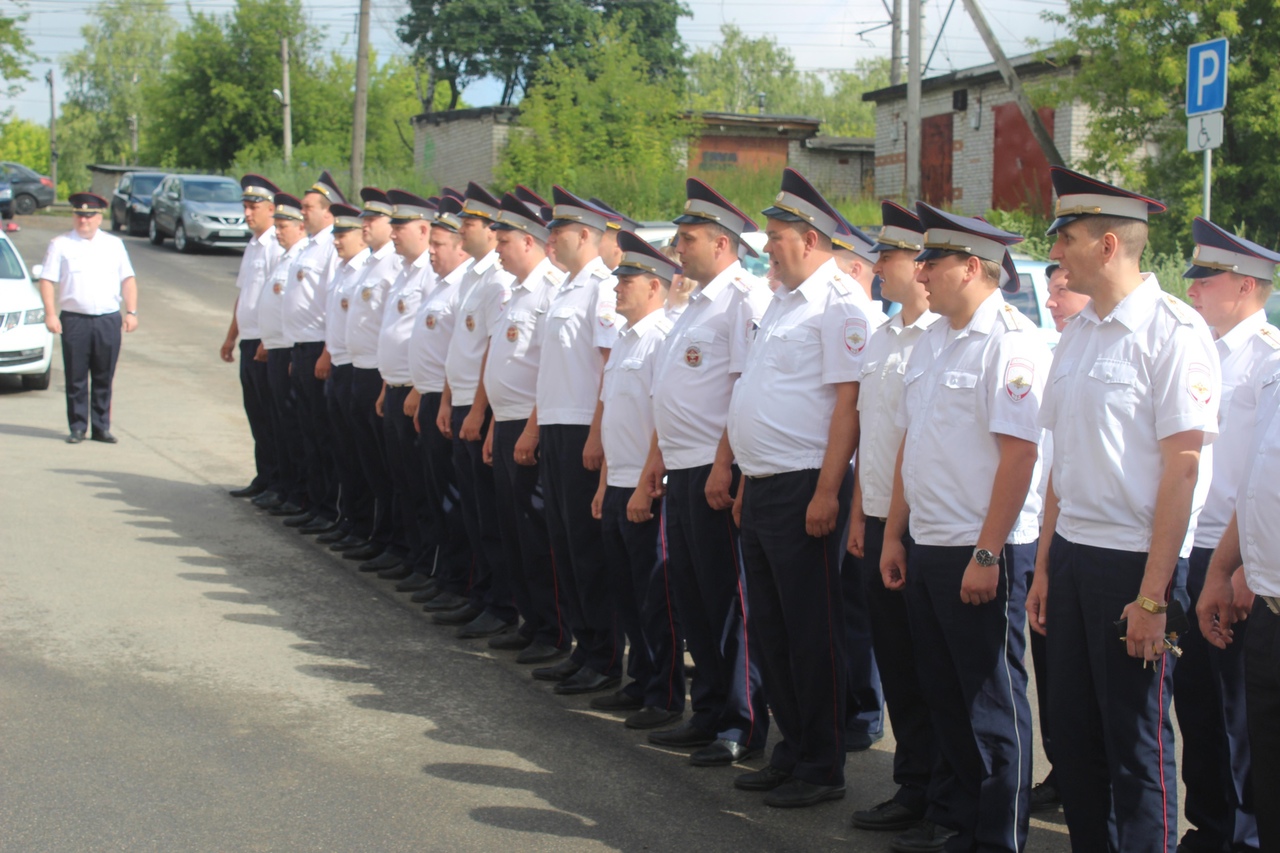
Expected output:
(360, 120)
(895, 50)
(915, 25)
(53, 135)
(284, 101)
(1038, 130)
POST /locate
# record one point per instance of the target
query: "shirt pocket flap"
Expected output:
(564, 312)
(869, 367)
(632, 363)
(795, 333)
(959, 379)
(520, 317)
(1114, 371)
(701, 334)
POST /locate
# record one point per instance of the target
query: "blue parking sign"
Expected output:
(1207, 77)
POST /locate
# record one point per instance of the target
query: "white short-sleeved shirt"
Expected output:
(484, 291)
(580, 322)
(398, 316)
(962, 390)
(884, 366)
(432, 329)
(699, 362)
(364, 320)
(810, 339)
(341, 293)
(88, 273)
(626, 425)
(307, 295)
(1258, 501)
(515, 345)
(271, 303)
(260, 255)
(1118, 386)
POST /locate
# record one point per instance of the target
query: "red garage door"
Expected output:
(1020, 171)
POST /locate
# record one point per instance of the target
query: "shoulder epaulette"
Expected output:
(601, 272)
(838, 282)
(663, 326)
(740, 284)
(1181, 310)
(1010, 316)
(1270, 336)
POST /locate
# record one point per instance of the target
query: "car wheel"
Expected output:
(38, 381)
(24, 205)
(180, 241)
(153, 232)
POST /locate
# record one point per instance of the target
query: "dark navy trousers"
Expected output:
(864, 703)
(90, 350)
(491, 590)
(526, 544)
(969, 659)
(709, 587)
(1262, 701)
(1208, 693)
(256, 393)
(370, 446)
(289, 456)
(444, 534)
(578, 548)
(915, 752)
(355, 500)
(796, 621)
(636, 554)
(319, 468)
(405, 469)
(1113, 737)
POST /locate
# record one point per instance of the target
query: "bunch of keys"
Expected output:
(1175, 622)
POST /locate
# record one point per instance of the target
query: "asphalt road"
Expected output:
(179, 672)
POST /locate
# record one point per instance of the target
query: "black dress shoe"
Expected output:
(542, 653)
(484, 625)
(618, 701)
(651, 718)
(396, 573)
(333, 536)
(365, 552)
(889, 815)
(566, 668)
(765, 779)
(319, 524)
(77, 436)
(925, 837)
(722, 753)
(385, 560)
(687, 736)
(103, 436)
(427, 593)
(445, 601)
(586, 680)
(288, 509)
(414, 581)
(350, 542)
(797, 794)
(250, 491)
(1044, 797)
(300, 520)
(267, 500)
(458, 616)
(512, 641)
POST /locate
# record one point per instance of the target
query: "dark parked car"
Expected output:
(198, 210)
(6, 198)
(131, 202)
(30, 190)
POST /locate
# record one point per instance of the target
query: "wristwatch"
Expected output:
(983, 557)
(1150, 605)
(132, 313)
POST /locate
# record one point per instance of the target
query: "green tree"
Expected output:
(1132, 74)
(15, 53)
(24, 142)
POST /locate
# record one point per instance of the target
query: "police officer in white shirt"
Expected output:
(291, 235)
(510, 382)
(634, 550)
(1132, 402)
(793, 427)
(565, 426)
(305, 298)
(85, 279)
(884, 365)
(1232, 594)
(364, 324)
(260, 254)
(1230, 282)
(695, 373)
(973, 382)
(464, 417)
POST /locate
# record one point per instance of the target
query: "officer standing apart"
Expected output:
(695, 374)
(975, 382)
(1132, 402)
(85, 279)
(793, 427)
(1230, 282)
(260, 254)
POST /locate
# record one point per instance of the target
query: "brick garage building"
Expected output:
(976, 151)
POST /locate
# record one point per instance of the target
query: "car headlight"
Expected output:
(6, 194)
(201, 217)
(35, 315)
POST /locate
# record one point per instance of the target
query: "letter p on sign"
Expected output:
(1207, 77)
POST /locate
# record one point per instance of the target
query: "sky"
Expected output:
(823, 35)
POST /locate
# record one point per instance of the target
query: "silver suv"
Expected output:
(198, 210)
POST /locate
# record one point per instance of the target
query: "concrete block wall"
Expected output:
(454, 152)
(831, 177)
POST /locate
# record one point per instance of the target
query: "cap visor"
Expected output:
(933, 254)
(1058, 223)
(779, 213)
(1195, 271)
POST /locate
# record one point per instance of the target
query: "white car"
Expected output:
(26, 346)
(1032, 295)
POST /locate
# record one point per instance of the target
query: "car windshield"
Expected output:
(10, 266)
(145, 184)
(227, 191)
(1025, 299)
